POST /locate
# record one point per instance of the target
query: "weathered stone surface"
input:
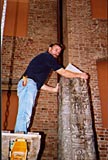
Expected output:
(33, 144)
(76, 136)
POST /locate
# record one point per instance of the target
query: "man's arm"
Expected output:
(49, 88)
(69, 74)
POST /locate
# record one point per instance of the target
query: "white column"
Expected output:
(3, 19)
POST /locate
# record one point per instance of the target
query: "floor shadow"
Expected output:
(42, 145)
(93, 124)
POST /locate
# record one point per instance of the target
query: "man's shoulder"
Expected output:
(40, 54)
(46, 55)
(43, 54)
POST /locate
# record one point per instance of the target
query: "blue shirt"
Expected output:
(40, 67)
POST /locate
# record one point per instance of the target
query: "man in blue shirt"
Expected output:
(34, 79)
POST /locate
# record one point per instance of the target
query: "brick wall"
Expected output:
(87, 42)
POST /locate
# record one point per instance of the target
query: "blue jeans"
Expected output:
(27, 95)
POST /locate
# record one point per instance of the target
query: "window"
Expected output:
(102, 68)
(16, 18)
(99, 9)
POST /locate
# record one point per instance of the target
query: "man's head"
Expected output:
(55, 49)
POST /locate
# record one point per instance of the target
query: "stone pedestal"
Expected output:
(33, 144)
(76, 136)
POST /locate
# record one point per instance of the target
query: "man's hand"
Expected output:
(83, 75)
(56, 89)
(24, 82)
(50, 89)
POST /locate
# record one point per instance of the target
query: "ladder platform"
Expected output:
(18, 146)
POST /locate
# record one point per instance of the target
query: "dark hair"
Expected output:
(58, 44)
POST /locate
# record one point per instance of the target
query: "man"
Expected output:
(34, 79)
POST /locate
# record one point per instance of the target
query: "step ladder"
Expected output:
(31, 144)
(18, 149)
